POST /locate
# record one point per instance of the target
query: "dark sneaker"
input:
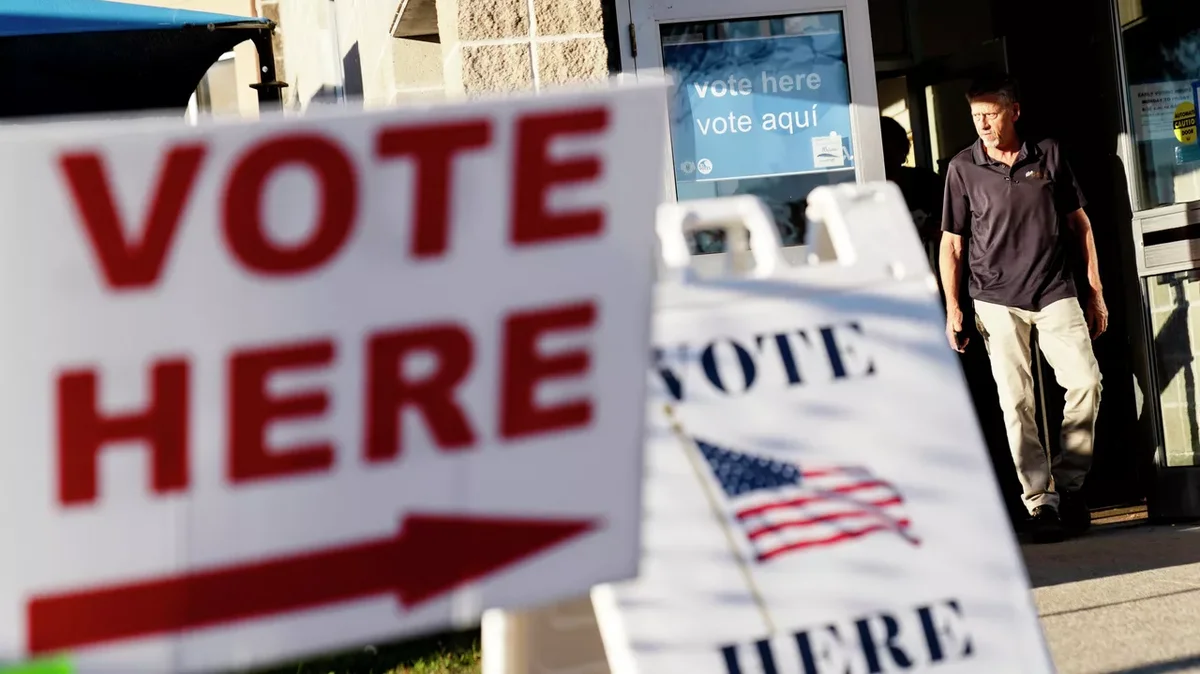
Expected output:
(1073, 510)
(1045, 526)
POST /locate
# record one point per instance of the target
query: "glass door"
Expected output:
(768, 99)
(1160, 42)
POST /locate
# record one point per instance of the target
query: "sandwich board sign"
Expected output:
(818, 499)
(276, 389)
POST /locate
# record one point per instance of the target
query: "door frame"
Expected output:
(918, 78)
(641, 55)
(937, 70)
(1172, 492)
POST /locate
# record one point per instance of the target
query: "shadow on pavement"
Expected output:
(1190, 664)
(1112, 551)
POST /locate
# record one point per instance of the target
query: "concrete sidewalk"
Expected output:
(1124, 598)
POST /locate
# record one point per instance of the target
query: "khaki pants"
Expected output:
(1064, 340)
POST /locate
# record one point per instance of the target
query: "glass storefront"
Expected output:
(1175, 310)
(1161, 39)
(762, 107)
(1161, 43)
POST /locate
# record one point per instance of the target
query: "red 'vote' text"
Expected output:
(162, 424)
(129, 262)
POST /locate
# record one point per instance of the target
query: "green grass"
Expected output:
(448, 653)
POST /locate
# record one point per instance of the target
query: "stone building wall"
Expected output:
(510, 45)
(322, 45)
(481, 46)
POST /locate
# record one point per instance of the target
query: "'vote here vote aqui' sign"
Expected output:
(756, 107)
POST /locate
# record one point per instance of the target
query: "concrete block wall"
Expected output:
(388, 66)
(417, 71)
(378, 69)
(304, 49)
(483, 46)
(511, 45)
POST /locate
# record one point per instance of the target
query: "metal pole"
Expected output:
(339, 67)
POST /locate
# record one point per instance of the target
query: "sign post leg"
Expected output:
(556, 638)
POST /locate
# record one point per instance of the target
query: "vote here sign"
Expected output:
(754, 106)
(809, 508)
(273, 389)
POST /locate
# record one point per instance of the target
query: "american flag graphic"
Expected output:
(782, 507)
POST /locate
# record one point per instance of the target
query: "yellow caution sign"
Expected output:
(1185, 123)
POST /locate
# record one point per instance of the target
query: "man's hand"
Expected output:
(954, 328)
(1097, 314)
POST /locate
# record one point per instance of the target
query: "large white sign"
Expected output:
(818, 496)
(273, 389)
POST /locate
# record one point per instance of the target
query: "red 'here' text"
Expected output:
(162, 425)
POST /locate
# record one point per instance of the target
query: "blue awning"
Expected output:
(56, 17)
(102, 56)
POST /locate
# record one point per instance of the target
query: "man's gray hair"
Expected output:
(997, 85)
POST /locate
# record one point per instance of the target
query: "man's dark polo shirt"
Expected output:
(1016, 220)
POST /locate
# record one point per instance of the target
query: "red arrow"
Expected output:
(430, 556)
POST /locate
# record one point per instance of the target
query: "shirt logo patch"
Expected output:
(1034, 173)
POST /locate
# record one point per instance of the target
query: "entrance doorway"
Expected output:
(1067, 68)
(724, 141)
(1159, 41)
(925, 53)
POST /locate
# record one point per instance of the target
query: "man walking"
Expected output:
(1019, 203)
